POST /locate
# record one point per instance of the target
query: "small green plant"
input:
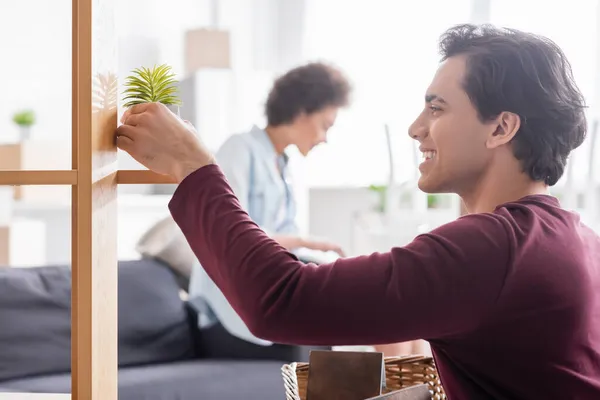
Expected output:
(149, 85)
(433, 201)
(381, 191)
(24, 118)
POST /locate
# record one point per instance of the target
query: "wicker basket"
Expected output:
(400, 372)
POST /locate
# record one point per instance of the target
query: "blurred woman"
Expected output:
(300, 109)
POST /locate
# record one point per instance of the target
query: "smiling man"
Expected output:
(508, 296)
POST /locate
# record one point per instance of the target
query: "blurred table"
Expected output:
(378, 232)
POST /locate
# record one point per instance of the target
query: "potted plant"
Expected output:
(149, 85)
(24, 120)
(439, 201)
(381, 192)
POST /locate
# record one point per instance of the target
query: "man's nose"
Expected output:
(417, 130)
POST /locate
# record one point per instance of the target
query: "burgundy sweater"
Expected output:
(509, 300)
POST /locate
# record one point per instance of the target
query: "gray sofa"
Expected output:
(160, 347)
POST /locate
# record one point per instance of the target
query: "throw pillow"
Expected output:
(165, 242)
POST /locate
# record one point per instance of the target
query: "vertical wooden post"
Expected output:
(94, 212)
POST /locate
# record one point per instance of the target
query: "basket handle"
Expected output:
(290, 381)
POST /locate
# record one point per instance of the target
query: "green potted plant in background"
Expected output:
(149, 85)
(380, 191)
(24, 119)
(439, 201)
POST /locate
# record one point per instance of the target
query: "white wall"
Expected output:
(332, 212)
(35, 43)
(35, 48)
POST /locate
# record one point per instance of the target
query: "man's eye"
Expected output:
(434, 108)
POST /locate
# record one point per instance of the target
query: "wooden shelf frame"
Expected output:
(51, 177)
(69, 177)
(94, 177)
(33, 396)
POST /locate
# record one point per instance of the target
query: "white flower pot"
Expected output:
(174, 109)
(24, 133)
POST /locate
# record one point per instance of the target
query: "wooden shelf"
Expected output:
(93, 178)
(34, 396)
(69, 177)
(141, 176)
(31, 177)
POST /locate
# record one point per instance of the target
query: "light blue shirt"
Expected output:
(260, 179)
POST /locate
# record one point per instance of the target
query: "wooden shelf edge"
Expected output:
(69, 177)
(34, 396)
(141, 177)
(36, 177)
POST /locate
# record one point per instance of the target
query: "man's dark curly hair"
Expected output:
(529, 75)
(309, 88)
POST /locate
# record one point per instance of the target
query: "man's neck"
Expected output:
(279, 136)
(500, 186)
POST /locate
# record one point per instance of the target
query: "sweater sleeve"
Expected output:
(443, 283)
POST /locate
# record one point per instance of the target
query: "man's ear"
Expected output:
(507, 125)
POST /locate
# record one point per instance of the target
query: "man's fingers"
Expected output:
(124, 143)
(140, 108)
(132, 119)
(128, 131)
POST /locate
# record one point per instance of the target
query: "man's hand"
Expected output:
(161, 141)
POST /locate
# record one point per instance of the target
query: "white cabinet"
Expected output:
(22, 243)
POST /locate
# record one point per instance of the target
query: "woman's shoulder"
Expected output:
(237, 145)
(250, 140)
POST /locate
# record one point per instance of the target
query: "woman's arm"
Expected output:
(442, 283)
(293, 242)
(290, 242)
(234, 159)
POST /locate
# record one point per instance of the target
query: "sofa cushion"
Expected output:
(35, 308)
(190, 380)
(35, 318)
(154, 323)
(165, 242)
